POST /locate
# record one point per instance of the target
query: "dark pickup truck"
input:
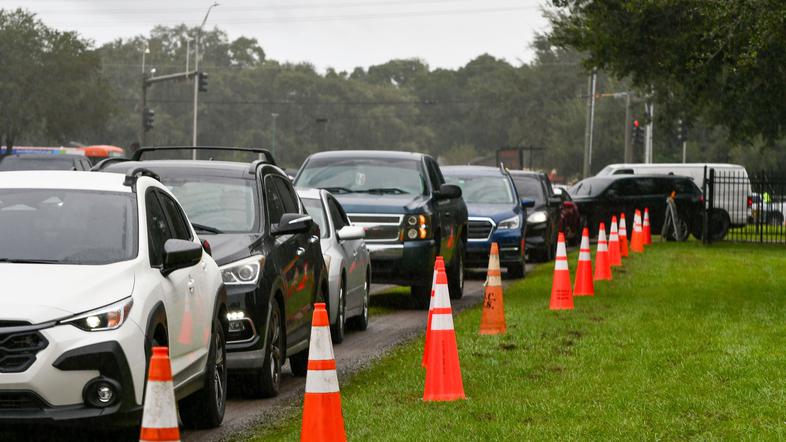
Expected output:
(410, 215)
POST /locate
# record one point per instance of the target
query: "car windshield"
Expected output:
(364, 175)
(215, 204)
(317, 211)
(483, 189)
(57, 226)
(530, 187)
(35, 163)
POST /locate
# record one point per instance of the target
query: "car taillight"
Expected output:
(701, 199)
(206, 246)
(750, 201)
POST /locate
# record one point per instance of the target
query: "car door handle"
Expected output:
(300, 251)
(313, 239)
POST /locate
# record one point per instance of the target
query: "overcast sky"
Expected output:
(328, 33)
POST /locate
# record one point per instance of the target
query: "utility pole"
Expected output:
(650, 109)
(143, 136)
(628, 122)
(275, 117)
(590, 123)
(196, 78)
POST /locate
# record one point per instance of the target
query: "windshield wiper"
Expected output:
(31, 261)
(338, 190)
(394, 190)
(204, 228)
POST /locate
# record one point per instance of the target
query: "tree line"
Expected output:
(92, 95)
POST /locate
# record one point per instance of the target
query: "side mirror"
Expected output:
(348, 233)
(180, 254)
(292, 223)
(555, 201)
(527, 203)
(449, 191)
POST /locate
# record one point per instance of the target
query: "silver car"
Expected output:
(347, 261)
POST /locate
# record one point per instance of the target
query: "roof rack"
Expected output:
(268, 156)
(107, 161)
(133, 175)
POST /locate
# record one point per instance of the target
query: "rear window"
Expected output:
(483, 189)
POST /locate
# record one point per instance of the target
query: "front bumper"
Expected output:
(536, 236)
(510, 249)
(409, 263)
(51, 389)
(245, 350)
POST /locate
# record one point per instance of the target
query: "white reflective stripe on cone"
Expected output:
(584, 255)
(442, 297)
(159, 409)
(602, 247)
(561, 264)
(321, 346)
(494, 281)
(321, 381)
(442, 321)
(561, 249)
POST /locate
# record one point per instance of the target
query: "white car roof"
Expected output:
(309, 193)
(56, 179)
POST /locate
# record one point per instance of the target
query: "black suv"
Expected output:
(599, 198)
(410, 215)
(543, 219)
(266, 245)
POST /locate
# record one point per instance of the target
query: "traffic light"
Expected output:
(202, 82)
(638, 135)
(148, 118)
(682, 131)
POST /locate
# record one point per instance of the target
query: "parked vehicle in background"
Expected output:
(347, 261)
(570, 220)
(769, 209)
(98, 153)
(732, 200)
(96, 270)
(496, 214)
(601, 197)
(408, 211)
(543, 218)
(47, 161)
(266, 245)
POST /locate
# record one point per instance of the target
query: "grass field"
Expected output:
(688, 342)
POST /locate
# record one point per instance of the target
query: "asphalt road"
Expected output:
(358, 350)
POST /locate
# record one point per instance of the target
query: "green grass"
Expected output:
(393, 299)
(687, 343)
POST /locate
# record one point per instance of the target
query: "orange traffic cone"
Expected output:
(646, 227)
(584, 285)
(623, 234)
(322, 418)
(159, 418)
(493, 320)
(637, 242)
(443, 371)
(615, 258)
(561, 293)
(439, 264)
(602, 262)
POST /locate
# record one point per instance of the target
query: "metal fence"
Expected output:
(744, 208)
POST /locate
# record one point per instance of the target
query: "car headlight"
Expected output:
(243, 272)
(417, 227)
(110, 317)
(537, 217)
(510, 223)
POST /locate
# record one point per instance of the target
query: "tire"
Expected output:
(265, 382)
(516, 271)
(361, 322)
(205, 408)
(719, 224)
(422, 296)
(337, 329)
(456, 274)
(775, 219)
(298, 363)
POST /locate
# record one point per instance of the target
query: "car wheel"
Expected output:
(361, 322)
(516, 271)
(205, 408)
(421, 295)
(265, 382)
(456, 274)
(337, 329)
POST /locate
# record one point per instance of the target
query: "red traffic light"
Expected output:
(635, 123)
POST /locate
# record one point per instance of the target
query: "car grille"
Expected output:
(18, 349)
(379, 228)
(19, 401)
(480, 229)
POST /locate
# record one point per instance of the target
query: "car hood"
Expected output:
(365, 203)
(497, 212)
(45, 292)
(230, 247)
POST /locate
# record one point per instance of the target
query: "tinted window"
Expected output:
(176, 218)
(288, 196)
(682, 187)
(434, 174)
(648, 186)
(67, 226)
(364, 175)
(36, 163)
(625, 188)
(483, 189)
(315, 209)
(530, 187)
(158, 231)
(275, 207)
(337, 215)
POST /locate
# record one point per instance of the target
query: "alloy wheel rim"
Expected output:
(220, 372)
(275, 350)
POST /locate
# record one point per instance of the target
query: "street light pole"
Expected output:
(196, 77)
(590, 123)
(275, 117)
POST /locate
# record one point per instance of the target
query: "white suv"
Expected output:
(95, 270)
